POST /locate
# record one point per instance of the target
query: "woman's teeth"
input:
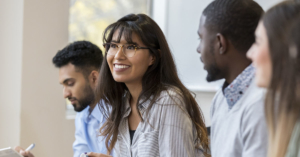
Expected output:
(121, 66)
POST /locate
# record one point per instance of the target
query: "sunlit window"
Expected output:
(89, 18)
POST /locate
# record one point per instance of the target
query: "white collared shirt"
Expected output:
(242, 130)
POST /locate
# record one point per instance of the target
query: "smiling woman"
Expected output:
(149, 111)
(127, 66)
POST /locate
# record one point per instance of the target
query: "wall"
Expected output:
(11, 22)
(45, 31)
(32, 109)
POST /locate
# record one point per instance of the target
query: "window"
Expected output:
(89, 18)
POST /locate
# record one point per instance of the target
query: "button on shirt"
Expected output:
(87, 137)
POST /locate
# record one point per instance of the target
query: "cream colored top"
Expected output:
(294, 145)
(168, 131)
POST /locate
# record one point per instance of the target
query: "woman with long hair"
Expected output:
(278, 69)
(149, 111)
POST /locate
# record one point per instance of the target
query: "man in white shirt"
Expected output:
(238, 125)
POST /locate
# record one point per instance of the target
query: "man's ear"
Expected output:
(222, 43)
(93, 78)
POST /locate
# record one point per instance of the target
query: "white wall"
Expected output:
(32, 109)
(11, 22)
(267, 4)
(45, 31)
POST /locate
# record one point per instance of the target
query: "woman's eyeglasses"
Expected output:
(128, 50)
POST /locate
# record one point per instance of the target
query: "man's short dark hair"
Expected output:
(235, 19)
(84, 55)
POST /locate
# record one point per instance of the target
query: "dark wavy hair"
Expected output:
(158, 77)
(84, 55)
(282, 104)
(235, 19)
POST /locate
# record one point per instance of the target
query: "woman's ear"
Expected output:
(152, 58)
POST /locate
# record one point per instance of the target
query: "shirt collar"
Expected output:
(96, 114)
(142, 107)
(234, 91)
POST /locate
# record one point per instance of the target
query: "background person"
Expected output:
(226, 31)
(79, 64)
(275, 55)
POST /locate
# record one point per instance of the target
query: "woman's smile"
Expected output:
(129, 69)
(120, 67)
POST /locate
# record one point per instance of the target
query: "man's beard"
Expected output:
(213, 73)
(87, 100)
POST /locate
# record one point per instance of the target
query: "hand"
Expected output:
(92, 154)
(23, 152)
